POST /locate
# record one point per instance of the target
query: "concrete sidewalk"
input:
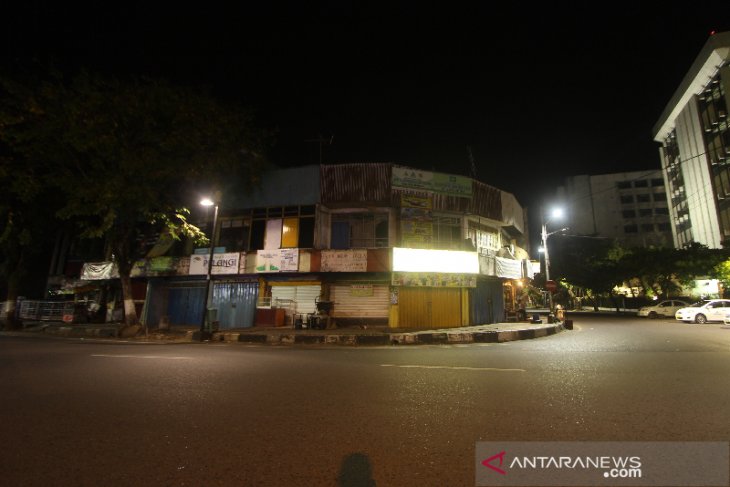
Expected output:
(494, 333)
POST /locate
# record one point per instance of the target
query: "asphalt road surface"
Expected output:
(91, 413)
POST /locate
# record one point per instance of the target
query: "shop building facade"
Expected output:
(382, 243)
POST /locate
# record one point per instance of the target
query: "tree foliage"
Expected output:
(124, 154)
(600, 265)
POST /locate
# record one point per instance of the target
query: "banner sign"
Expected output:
(222, 264)
(161, 266)
(361, 290)
(450, 184)
(277, 260)
(344, 260)
(433, 279)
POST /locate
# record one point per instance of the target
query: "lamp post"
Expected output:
(203, 332)
(555, 214)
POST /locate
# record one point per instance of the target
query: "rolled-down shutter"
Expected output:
(352, 302)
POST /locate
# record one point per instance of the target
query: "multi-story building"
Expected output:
(695, 153)
(629, 207)
(381, 243)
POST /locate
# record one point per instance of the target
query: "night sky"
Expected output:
(536, 93)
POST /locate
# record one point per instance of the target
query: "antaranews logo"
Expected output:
(488, 462)
(656, 464)
(612, 467)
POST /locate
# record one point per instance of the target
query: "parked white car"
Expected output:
(704, 311)
(667, 308)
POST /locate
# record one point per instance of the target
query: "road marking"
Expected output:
(450, 367)
(141, 356)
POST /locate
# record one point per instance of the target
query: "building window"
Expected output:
(641, 183)
(664, 227)
(484, 238)
(647, 227)
(624, 185)
(643, 198)
(661, 211)
(645, 212)
(631, 229)
(657, 182)
(660, 196)
(627, 199)
(359, 230)
(628, 213)
(234, 233)
(447, 233)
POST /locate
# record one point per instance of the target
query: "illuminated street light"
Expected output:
(203, 332)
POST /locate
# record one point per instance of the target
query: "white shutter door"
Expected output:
(347, 305)
(305, 298)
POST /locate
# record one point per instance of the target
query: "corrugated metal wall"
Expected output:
(236, 303)
(371, 183)
(486, 302)
(347, 305)
(348, 183)
(185, 303)
(424, 307)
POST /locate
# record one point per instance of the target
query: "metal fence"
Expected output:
(46, 310)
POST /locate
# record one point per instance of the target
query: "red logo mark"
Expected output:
(487, 463)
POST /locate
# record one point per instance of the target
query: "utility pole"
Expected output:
(321, 141)
(472, 164)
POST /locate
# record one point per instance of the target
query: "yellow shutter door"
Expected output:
(424, 307)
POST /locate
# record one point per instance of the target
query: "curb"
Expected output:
(413, 338)
(439, 337)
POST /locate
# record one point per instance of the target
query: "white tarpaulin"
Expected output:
(94, 271)
(509, 268)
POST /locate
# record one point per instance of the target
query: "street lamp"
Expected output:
(557, 213)
(208, 202)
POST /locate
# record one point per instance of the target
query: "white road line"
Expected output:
(141, 356)
(490, 369)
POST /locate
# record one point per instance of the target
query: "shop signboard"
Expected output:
(222, 264)
(344, 260)
(449, 184)
(277, 260)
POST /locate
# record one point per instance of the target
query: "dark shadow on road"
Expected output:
(356, 471)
